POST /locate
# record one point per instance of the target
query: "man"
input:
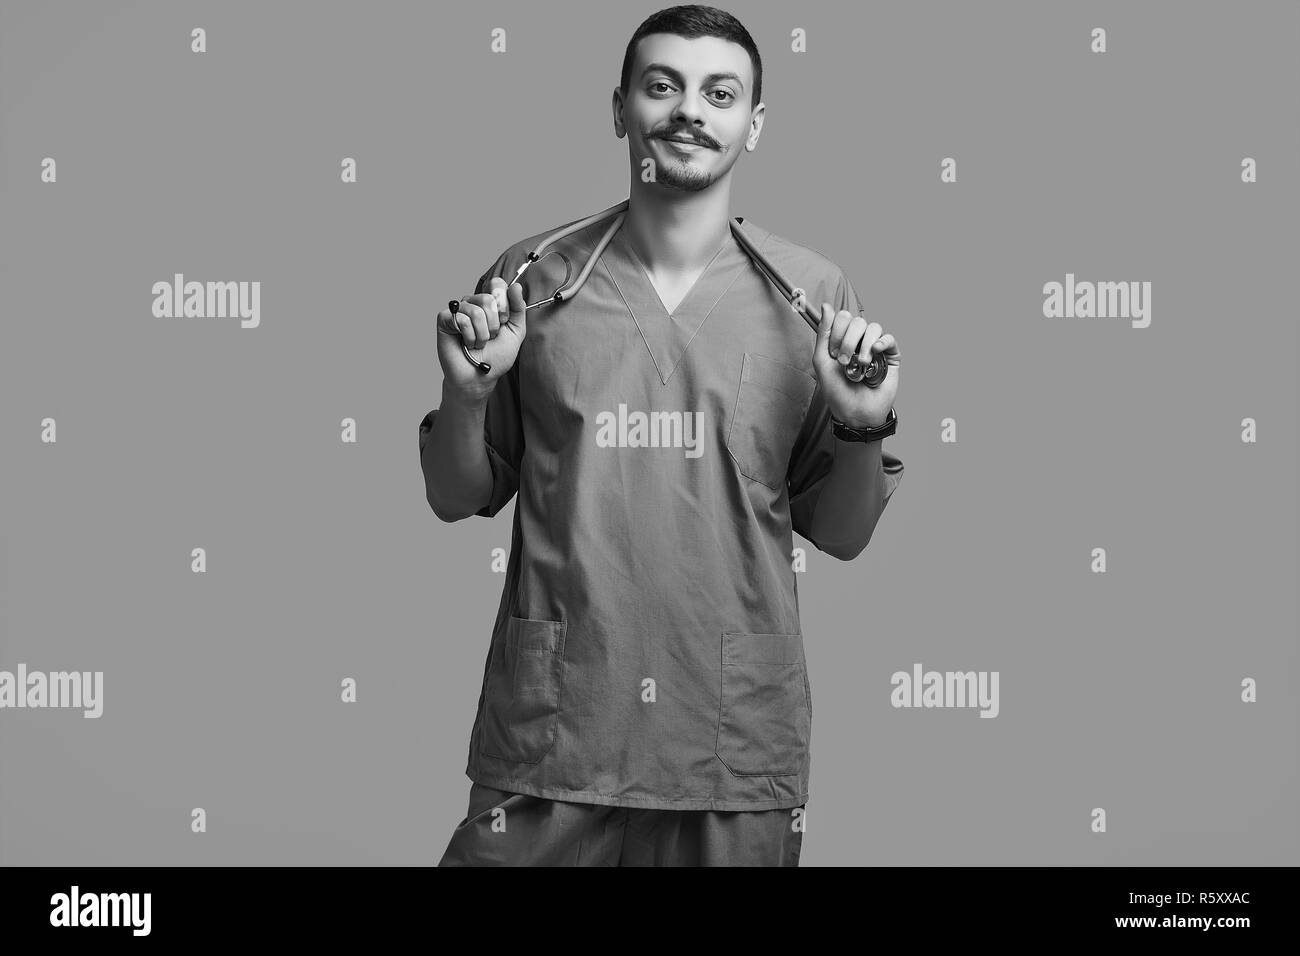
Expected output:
(645, 699)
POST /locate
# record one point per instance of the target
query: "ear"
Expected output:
(616, 105)
(755, 127)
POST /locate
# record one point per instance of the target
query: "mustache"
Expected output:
(690, 134)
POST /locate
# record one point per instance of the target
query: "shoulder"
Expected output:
(575, 245)
(800, 263)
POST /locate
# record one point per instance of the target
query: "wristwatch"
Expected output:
(849, 433)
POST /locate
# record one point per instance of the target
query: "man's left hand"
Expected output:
(840, 337)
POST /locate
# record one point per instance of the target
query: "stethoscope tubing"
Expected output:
(870, 375)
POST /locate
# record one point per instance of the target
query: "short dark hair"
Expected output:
(691, 21)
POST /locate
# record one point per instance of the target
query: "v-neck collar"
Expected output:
(667, 335)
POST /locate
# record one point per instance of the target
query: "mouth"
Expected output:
(687, 145)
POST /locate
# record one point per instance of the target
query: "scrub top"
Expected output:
(647, 650)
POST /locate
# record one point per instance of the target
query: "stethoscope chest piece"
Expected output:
(871, 375)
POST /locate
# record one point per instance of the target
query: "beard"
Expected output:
(682, 175)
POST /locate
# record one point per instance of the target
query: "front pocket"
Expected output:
(770, 407)
(521, 704)
(765, 715)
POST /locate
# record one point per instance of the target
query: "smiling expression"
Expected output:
(688, 108)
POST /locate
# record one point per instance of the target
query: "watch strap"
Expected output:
(847, 432)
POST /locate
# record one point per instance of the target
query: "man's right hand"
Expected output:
(494, 322)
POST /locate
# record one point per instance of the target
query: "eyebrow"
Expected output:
(665, 68)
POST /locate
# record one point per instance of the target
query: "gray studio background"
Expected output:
(221, 690)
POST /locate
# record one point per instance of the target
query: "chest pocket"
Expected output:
(771, 403)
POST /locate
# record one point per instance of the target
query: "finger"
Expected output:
(488, 303)
(518, 312)
(843, 319)
(886, 345)
(870, 339)
(478, 320)
(869, 335)
(497, 288)
(466, 329)
(853, 336)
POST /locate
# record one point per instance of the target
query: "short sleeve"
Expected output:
(503, 433)
(814, 448)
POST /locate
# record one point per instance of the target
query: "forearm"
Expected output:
(457, 475)
(851, 500)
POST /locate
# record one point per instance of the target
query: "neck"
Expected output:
(676, 231)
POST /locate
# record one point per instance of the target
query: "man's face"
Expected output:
(696, 89)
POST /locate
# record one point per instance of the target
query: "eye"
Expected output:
(726, 93)
(659, 83)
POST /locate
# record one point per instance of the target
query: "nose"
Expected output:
(689, 109)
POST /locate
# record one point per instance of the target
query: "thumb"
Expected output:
(518, 314)
(824, 329)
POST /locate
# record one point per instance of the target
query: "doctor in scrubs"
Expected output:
(645, 698)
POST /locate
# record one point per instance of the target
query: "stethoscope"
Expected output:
(870, 375)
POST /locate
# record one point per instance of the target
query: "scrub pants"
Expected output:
(535, 831)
